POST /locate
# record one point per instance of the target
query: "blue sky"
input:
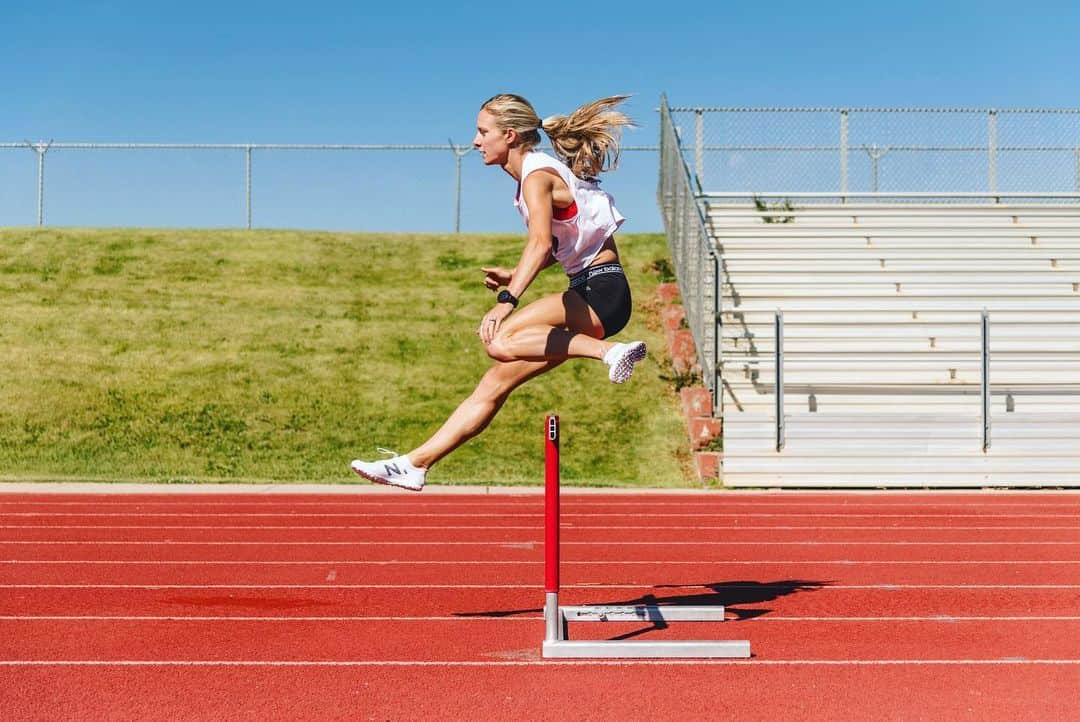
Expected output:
(324, 71)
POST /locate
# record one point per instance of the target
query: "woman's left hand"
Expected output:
(492, 322)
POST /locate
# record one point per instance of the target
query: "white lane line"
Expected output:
(117, 618)
(517, 618)
(733, 499)
(539, 515)
(641, 585)
(527, 562)
(381, 527)
(1008, 661)
(537, 542)
(710, 527)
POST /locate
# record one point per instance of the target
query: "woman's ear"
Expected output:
(512, 137)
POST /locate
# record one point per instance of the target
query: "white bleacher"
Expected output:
(882, 364)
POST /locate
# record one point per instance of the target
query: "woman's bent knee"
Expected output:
(500, 349)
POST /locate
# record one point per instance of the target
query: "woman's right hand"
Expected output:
(495, 278)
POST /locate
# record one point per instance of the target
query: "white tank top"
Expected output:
(579, 231)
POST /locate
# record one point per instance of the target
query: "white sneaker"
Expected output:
(398, 471)
(621, 358)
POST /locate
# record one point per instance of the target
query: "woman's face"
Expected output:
(493, 143)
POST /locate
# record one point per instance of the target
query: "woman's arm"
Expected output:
(536, 192)
(497, 277)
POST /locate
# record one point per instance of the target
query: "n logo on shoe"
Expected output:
(391, 469)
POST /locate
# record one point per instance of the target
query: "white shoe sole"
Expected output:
(385, 482)
(622, 369)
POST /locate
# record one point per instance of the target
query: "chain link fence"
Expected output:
(829, 155)
(697, 263)
(342, 186)
(881, 150)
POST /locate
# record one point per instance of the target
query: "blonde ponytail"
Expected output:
(587, 140)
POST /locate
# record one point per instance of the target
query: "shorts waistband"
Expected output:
(582, 277)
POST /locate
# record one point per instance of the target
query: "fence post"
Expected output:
(458, 155)
(41, 149)
(247, 186)
(843, 155)
(992, 150)
(876, 153)
(1076, 174)
(699, 146)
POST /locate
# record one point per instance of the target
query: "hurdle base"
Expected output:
(558, 645)
(642, 613)
(621, 649)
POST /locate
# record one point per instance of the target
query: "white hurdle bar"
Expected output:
(556, 619)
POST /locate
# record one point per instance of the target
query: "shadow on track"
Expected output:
(727, 594)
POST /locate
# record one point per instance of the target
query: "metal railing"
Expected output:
(778, 361)
(697, 263)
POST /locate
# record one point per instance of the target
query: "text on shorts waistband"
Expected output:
(582, 277)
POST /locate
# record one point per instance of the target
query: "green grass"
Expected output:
(189, 355)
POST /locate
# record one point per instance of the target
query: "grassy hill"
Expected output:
(193, 355)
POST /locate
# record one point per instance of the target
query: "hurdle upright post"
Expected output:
(551, 529)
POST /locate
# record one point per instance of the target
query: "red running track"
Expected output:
(857, 606)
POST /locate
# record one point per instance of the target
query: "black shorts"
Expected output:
(605, 289)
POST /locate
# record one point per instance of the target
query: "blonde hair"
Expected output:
(587, 140)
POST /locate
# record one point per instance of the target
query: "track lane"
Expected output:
(531, 550)
(487, 640)
(533, 534)
(526, 572)
(748, 598)
(569, 692)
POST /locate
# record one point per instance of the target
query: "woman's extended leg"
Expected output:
(547, 329)
(474, 413)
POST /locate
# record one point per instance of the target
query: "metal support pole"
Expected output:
(41, 149)
(41, 189)
(247, 187)
(992, 149)
(457, 195)
(779, 380)
(843, 155)
(876, 153)
(1076, 174)
(459, 153)
(985, 379)
(699, 146)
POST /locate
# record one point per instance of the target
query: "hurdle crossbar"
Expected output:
(556, 618)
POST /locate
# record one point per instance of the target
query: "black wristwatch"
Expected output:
(507, 297)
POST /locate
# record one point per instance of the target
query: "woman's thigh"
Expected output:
(563, 310)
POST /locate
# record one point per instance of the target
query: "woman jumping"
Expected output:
(570, 220)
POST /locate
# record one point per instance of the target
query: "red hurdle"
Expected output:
(551, 524)
(556, 618)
